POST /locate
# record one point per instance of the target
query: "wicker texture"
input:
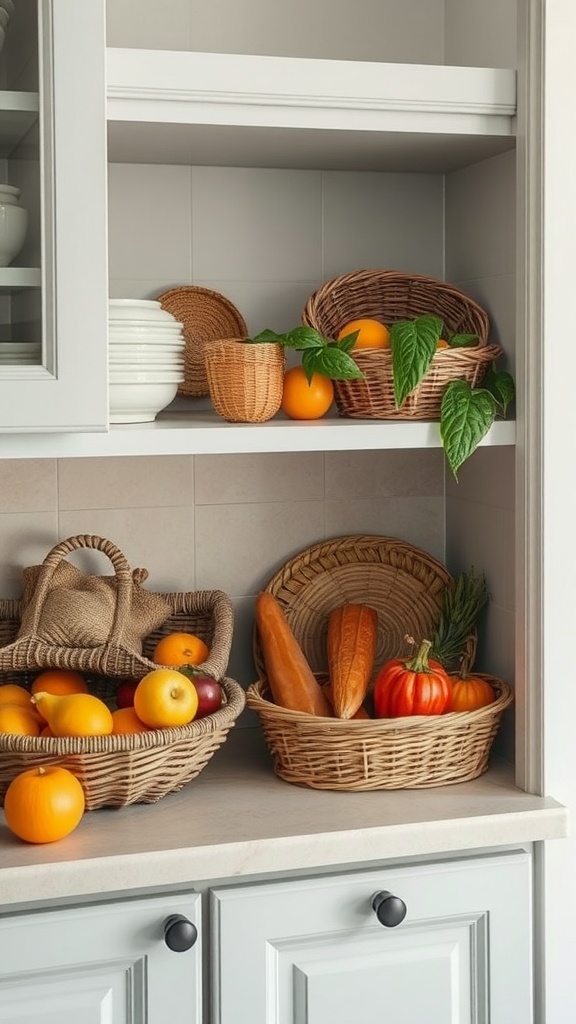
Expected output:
(205, 315)
(208, 614)
(402, 753)
(389, 296)
(115, 771)
(405, 585)
(245, 380)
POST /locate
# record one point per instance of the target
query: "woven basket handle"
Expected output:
(122, 571)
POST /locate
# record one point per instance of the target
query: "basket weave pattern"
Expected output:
(405, 585)
(205, 315)
(245, 380)
(390, 296)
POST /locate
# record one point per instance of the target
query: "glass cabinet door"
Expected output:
(53, 273)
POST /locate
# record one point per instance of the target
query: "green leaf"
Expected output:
(266, 335)
(501, 386)
(463, 340)
(331, 361)
(466, 415)
(348, 342)
(413, 344)
(298, 338)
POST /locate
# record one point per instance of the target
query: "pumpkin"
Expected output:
(44, 804)
(470, 693)
(412, 686)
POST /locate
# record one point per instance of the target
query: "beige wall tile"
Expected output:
(479, 536)
(158, 539)
(144, 24)
(382, 473)
(487, 477)
(25, 539)
(28, 485)
(225, 479)
(239, 547)
(126, 482)
(418, 521)
(241, 665)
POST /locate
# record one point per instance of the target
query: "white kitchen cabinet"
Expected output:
(313, 951)
(107, 963)
(52, 139)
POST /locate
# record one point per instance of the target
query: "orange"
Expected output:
(442, 344)
(16, 719)
(59, 681)
(11, 693)
(302, 400)
(165, 697)
(126, 721)
(178, 649)
(44, 804)
(372, 333)
(75, 714)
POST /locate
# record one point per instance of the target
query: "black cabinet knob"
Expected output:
(179, 933)
(389, 909)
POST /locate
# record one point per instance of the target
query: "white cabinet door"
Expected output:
(53, 295)
(314, 952)
(101, 964)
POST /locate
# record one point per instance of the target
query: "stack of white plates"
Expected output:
(145, 359)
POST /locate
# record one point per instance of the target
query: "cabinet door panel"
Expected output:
(100, 964)
(311, 951)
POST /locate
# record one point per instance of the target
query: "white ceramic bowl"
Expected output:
(139, 403)
(13, 227)
(159, 326)
(158, 362)
(134, 375)
(138, 309)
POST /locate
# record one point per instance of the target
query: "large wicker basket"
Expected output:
(138, 768)
(389, 296)
(405, 585)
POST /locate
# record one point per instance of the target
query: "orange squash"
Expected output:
(75, 714)
(470, 693)
(44, 804)
(351, 649)
(290, 678)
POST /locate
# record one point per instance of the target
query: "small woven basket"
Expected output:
(205, 315)
(401, 753)
(405, 585)
(245, 380)
(389, 296)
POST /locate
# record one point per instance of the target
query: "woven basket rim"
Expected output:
(214, 723)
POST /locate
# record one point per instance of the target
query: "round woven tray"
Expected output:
(403, 583)
(389, 296)
(205, 315)
(402, 753)
(115, 771)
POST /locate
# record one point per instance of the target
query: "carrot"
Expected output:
(290, 678)
(351, 650)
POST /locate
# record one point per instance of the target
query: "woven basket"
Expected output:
(245, 380)
(115, 771)
(389, 296)
(207, 614)
(206, 316)
(401, 753)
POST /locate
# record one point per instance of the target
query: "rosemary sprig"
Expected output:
(462, 603)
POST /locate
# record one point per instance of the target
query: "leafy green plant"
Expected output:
(319, 354)
(466, 413)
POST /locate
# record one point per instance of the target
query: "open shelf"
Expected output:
(18, 113)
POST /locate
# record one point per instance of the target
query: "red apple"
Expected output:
(125, 693)
(209, 693)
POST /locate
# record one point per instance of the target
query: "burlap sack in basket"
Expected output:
(70, 619)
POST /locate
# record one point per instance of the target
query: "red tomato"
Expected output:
(412, 686)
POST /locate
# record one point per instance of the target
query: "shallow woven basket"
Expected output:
(401, 753)
(245, 380)
(389, 296)
(205, 315)
(115, 771)
(405, 585)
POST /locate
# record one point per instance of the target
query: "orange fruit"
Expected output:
(177, 649)
(303, 400)
(165, 697)
(372, 333)
(126, 721)
(18, 720)
(44, 804)
(442, 343)
(11, 693)
(59, 681)
(75, 714)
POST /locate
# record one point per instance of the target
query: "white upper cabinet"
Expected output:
(53, 292)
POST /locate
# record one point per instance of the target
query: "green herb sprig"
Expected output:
(462, 602)
(319, 355)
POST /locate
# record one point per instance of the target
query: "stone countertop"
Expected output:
(238, 819)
